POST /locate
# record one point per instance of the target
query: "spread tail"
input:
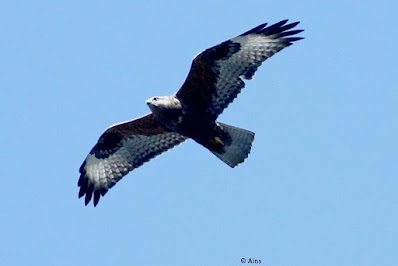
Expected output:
(237, 148)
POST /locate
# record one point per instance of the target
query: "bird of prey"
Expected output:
(214, 80)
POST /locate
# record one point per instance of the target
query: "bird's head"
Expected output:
(163, 102)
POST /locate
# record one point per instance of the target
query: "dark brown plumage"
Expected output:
(214, 80)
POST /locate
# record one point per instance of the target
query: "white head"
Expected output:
(163, 103)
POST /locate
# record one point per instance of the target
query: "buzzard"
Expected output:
(214, 80)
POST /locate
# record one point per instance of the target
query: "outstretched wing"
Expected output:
(119, 150)
(215, 78)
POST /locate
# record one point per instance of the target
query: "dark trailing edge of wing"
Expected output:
(281, 29)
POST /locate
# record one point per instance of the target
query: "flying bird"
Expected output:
(214, 80)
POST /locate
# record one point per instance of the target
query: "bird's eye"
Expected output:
(155, 98)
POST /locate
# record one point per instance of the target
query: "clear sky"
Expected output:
(320, 186)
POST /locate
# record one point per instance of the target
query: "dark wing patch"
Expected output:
(121, 149)
(215, 78)
(107, 144)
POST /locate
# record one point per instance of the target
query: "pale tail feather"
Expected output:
(238, 150)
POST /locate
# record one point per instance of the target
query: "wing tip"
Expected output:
(97, 196)
(255, 29)
(89, 192)
(279, 30)
(88, 189)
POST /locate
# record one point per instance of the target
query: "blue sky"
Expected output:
(320, 186)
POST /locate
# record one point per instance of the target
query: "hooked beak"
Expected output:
(149, 101)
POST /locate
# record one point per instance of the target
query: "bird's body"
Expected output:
(214, 81)
(168, 112)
